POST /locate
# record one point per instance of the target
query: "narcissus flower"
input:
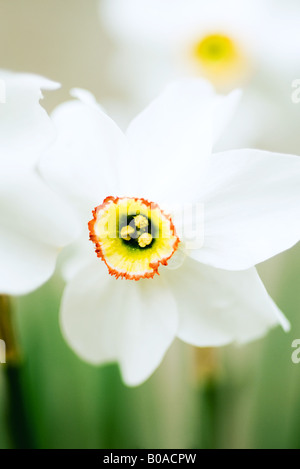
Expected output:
(133, 237)
(251, 44)
(222, 40)
(177, 230)
(35, 223)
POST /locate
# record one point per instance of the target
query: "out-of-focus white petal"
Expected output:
(104, 320)
(251, 202)
(86, 97)
(250, 122)
(25, 264)
(32, 210)
(225, 109)
(25, 127)
(279, 39)
(217, 307)
(171, 139)
(82, 161)
(165, 22)
(147, 20)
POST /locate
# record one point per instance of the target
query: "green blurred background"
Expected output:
(248, 397)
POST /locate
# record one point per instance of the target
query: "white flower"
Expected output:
(249, 43)
(210, 294)
(224, 40)
(35, 223)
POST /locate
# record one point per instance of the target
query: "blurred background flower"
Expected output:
(253, 44)
(73, 405)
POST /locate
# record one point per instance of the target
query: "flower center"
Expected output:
(219, 58)
(214, 49)
(133, 237)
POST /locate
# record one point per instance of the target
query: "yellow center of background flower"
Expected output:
(216, 50)
(220, 59)
(133, 237)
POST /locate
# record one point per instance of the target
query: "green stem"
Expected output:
(17, 412)
(208, 415)
(207, 374)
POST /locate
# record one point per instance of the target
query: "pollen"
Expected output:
(141, 222)
(133, 237)
(145, 239)
(127, 232)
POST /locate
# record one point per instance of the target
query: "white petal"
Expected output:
(25, 128)
(29, 208)
(138, 19)
(224, 111)
(25, 264)
(86, 97)
(82, 161)
(164, 22)
(77, 256)
(280, 39)
(172, 138)
(251, 205)
(217, 307)
(104, 319)
(34, 224)
(250, 122)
